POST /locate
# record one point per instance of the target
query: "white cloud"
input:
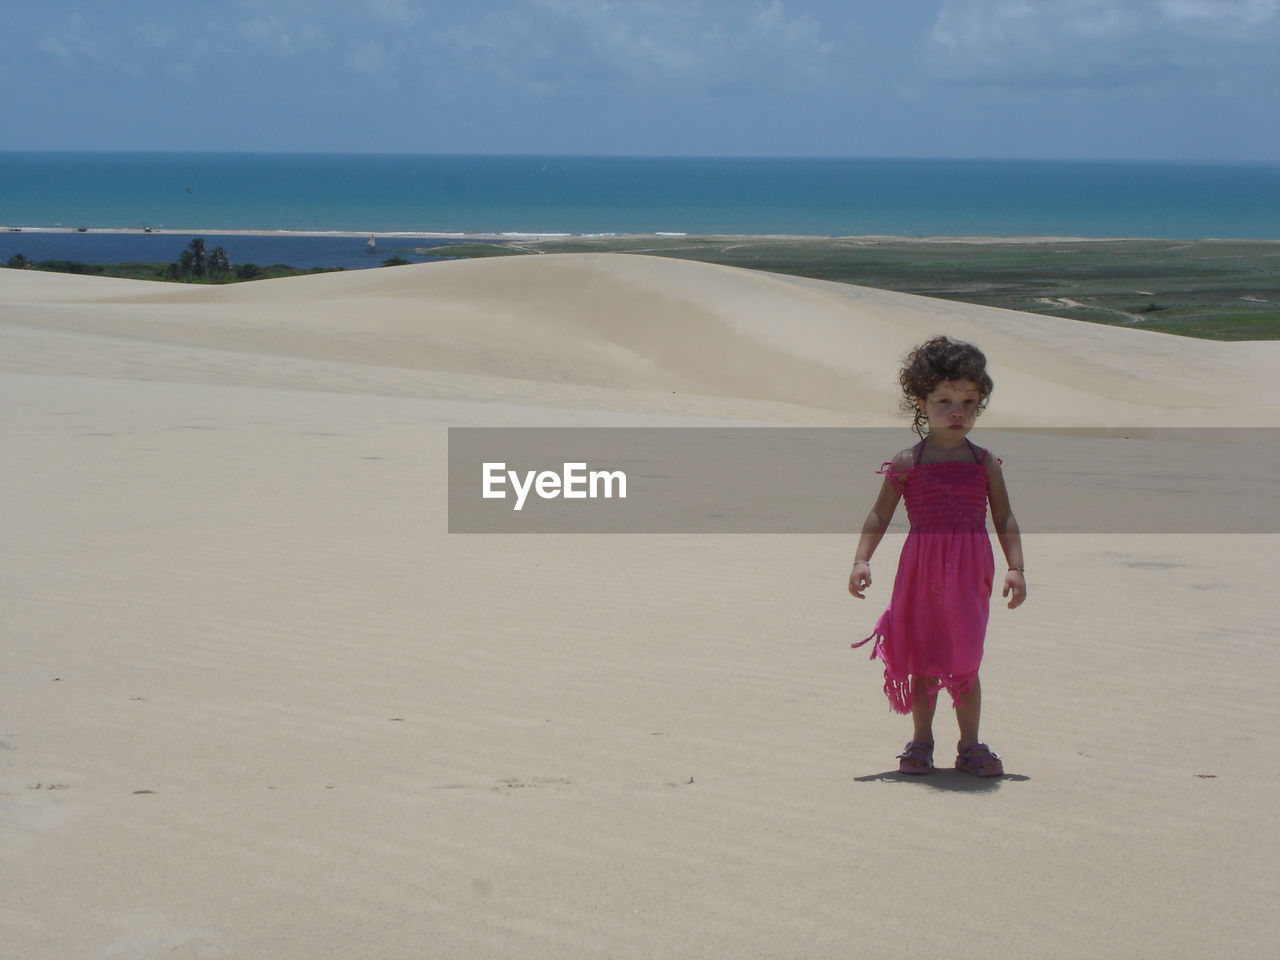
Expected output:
(267, 31)
(368, 57)
(1245, 11)
(77, 43)
(650, 42)
(1238, 19)
(1015, 40)
(401, 13)
(796, 39)
(1087, 42)
(283, 37)
(156, 35)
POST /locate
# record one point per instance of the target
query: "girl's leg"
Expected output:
(917, 758)
(968, 713)
(971, 755)
(922, 707)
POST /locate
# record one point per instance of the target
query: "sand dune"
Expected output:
(654, 324)
(257, 702)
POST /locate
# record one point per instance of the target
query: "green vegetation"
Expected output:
(1212, 289)
(469, 251)
(20, 262)
(194, 265)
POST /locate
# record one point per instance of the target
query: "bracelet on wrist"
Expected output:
(1021, 570)
(867, 562)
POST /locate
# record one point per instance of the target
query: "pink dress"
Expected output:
(937, 616)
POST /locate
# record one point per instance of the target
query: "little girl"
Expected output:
(930, 637)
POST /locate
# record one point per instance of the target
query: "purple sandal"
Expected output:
(917, 758)
(978, 760)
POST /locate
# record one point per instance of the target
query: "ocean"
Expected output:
(512, 195)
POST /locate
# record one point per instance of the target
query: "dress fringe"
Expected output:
(899, 691)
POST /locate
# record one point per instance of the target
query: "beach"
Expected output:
(258, 701)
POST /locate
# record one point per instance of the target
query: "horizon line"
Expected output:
(897, 158)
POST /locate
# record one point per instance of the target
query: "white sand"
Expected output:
(256, 702)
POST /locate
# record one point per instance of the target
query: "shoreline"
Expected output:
(15, 230)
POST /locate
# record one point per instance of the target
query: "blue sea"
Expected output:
(319, 193)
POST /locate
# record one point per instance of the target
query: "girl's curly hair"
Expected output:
(936, 361)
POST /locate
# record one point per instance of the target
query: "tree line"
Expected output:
(195, 264)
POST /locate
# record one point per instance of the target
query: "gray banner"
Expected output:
(822, 480)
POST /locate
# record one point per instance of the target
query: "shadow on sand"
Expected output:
(942, 778)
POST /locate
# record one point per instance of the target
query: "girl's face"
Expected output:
(951, 408)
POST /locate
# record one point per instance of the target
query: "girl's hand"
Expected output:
(860, 579)
(1015, 583)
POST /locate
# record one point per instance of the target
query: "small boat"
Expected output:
(372, 245)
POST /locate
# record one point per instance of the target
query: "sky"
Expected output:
(1194, 80)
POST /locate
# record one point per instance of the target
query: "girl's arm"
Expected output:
(874, 526)
(1006, 525)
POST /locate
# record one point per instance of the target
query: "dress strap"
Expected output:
(917, 454)
(979, 453)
